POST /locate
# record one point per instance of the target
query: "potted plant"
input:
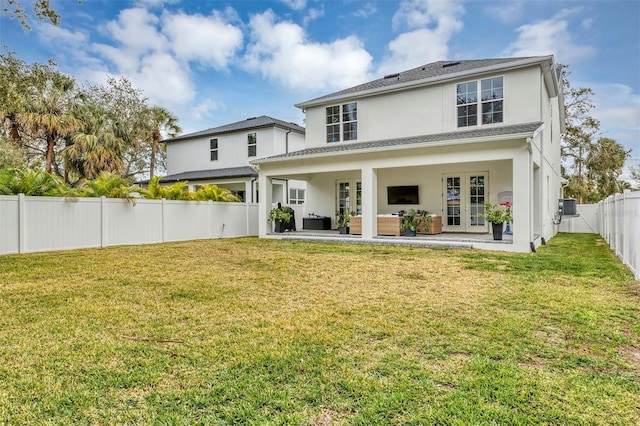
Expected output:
(497, 216)
(279, 216)
(410, 222)
(342, 222)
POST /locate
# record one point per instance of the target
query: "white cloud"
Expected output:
(163, 80)
(295, 4)
(367, 10)
(433, 23)
(136, 29)
(550, 37)
(207, 39)
(280, 52)
(506, 11)
(618, 110)
(313, 14)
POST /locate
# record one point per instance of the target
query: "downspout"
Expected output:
(253, 189)
(286, 141)
(530, 180)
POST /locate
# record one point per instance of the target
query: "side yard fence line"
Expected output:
(35, 224)
(619, 220)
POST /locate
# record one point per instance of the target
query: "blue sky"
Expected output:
(216, 62)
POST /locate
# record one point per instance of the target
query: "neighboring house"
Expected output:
(221, 156)
(444, 137)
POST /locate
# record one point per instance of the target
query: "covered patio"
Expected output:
(449, 179)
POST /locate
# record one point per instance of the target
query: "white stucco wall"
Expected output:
(431, 109)
(194, 154)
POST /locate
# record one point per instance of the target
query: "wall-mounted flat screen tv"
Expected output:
(402, 194)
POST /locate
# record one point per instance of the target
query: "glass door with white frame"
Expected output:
(464, 195)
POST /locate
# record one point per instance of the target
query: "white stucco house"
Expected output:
(221, 156)
(446, 136)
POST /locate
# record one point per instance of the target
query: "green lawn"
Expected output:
(270, 332)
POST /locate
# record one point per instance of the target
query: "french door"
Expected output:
(464, 195)
(349, 197)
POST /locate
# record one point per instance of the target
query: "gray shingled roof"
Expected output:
(431, 72)
(231, 172)
(249, 123)
(517, 130)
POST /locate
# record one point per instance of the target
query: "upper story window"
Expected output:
(252, 143)
(342, 122)
(213, 149)
(488, 107)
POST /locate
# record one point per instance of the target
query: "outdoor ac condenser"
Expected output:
(567, 206)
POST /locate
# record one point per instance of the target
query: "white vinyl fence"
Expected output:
(34, 224)
(619, 219)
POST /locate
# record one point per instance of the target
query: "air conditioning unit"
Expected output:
(567, 206)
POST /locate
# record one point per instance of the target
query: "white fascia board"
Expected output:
(450, 142)
(427, 82)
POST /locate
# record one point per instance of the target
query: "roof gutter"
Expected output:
(428, 81)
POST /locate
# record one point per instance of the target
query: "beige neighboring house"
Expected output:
(444, 137)
(221, 156)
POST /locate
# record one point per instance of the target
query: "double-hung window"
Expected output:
(213, 149)
(476, 110)
(252, 144)
(342, 122)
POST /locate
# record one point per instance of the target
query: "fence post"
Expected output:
(210, 220)
(164, 201)
(104, 222)
(626, 228)
(22, 223)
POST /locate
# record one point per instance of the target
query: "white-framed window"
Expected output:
(296, 196)
(213, 150)
(342, 122)
(252, 144)
(474, 110)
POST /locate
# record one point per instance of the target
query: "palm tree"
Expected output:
(108, 185)
(159, 120)
(176, 191)
(32, 182)
(50, 114)
(214, 193)
(98, 147)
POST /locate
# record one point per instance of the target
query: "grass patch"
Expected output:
(271, 332)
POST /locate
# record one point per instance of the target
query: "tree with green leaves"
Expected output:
(578, 139)
(604, 167)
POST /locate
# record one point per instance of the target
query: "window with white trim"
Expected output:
(486, 109)
(342, 122)
(213, 149)
(252, 143)
(296, 196)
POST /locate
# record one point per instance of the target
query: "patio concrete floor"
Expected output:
(452, 240)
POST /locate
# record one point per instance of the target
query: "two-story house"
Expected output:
(445, 138)
(221, 156)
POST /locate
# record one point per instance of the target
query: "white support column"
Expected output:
(369, 203)
(266, 197)
(248, 191)
(522, 193)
